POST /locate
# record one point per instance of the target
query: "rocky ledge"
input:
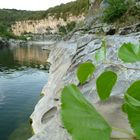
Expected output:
(65, 58)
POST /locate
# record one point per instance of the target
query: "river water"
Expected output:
(23, 73)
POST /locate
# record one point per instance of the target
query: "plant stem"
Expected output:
(123, 131)
(120, 65)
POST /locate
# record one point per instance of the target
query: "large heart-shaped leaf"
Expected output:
(80, 118)
(105, 83)
(85, 70)
(129, 53)
(132, 106)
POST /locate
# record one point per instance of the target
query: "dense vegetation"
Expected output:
(68, 28)
(74, 8)
(115, 10)
(9, 16)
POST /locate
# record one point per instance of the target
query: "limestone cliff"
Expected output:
(49, 24)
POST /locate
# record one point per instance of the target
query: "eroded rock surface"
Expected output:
(65, 58)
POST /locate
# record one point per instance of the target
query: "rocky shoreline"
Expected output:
(3, 43)
(65, 57)
(9, 43)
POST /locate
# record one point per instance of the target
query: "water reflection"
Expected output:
(23, 73)
(23, 132)
(21, 58)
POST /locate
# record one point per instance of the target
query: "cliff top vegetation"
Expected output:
(9, 16)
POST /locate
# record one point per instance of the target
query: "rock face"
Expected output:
(65, 58)
(50, 25)
(94, 12)
(130, 29)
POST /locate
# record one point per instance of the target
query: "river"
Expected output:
(23, 73)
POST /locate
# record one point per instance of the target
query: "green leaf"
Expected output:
(134, 119)
(80, 118)
(101, 54)
(85, 70)
(105, 83)
(129, 53)
(132, 106)
(132, 96)
(134, 90)
(129, 99)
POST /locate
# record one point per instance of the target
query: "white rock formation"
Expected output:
(64, 59)
(42, 26)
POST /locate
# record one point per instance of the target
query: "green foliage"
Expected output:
(132, 101)
(62, 30)
(72, 8)
(129, 53)
(105, 83)
(68, 28)
(80, 118)
(134, 119)
(85, 71)
(132, 96)
(115, 10)
(132, 106)
(101, 54)
(134, 90)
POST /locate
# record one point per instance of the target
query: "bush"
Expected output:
(115, 10)
(62, 30)
(68, 28)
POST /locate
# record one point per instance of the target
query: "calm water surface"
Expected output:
(23, 73)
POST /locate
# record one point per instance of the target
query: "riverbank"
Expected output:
(3, 43)
(65, 57)
(6, 43)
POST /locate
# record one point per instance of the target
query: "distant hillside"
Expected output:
(75, 8)
(9, 16)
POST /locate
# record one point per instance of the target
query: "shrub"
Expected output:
(62, 30)
(115, 10)
(68, 28)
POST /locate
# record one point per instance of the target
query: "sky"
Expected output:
(30, 4)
